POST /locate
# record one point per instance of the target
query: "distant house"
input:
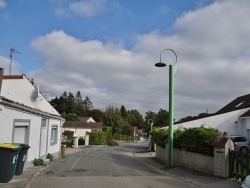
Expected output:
(233, 118)
(28, 118)
(81, 127)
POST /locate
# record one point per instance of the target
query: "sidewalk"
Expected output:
(30, 174)
(192, 177)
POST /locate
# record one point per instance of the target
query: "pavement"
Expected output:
(148, 158)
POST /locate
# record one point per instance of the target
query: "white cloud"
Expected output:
(3, 4)
(5, 64)
(83, 8)
(213, 48)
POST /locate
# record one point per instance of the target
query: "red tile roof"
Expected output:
(13, 77)
(79, 124)
(83, 119)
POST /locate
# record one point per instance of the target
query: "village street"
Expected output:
(112, 167)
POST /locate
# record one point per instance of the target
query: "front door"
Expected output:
(43, 139)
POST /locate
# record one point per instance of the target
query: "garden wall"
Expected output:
(189, 160)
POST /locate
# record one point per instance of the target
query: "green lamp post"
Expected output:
(172, 70)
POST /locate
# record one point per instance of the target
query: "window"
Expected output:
(238, 105)
(54, 133)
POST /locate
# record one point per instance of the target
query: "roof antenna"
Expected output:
(11, 52)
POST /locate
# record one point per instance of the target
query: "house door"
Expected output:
(21, 132)
(43, 139)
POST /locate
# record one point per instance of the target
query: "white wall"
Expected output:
(227, 122)
(7, 118)
(54, 148)
(22, 91)
(78, 131)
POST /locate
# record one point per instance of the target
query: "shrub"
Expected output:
(38, 162)
(97, 138)
(49, 156)
(196, 139)
(63, 155)
(159, 136)
(123, 137)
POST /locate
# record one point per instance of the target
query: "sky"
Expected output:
(107, 50)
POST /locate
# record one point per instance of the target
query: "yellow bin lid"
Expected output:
(9, 146)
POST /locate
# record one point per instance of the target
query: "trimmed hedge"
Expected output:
(97, 138)
(103, 137)
(123, 137)
(196, 139)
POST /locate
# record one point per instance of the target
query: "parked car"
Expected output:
(242, 144)
(246, 182)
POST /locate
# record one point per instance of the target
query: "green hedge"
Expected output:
(97, 138)
(123, 137)
(159, 135)
(196, 139)
(103, 137)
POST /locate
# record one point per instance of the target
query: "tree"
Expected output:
(162, 118)
(150, 116)
(79, 106)
(70, 103)
(135, 118)
(88, 106)
(124, 113)
(97, 115)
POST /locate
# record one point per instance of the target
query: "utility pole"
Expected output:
(11, 52)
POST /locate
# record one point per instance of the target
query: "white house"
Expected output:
(28, 118)
(233, 118)
(81, 127)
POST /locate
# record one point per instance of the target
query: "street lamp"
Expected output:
(151, 122)
(172, 70)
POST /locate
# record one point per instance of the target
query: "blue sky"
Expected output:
(107, 49)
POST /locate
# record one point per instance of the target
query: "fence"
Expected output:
(238, 165)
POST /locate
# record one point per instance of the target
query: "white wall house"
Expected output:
(27, 117)
(81, 127)
(233, 118)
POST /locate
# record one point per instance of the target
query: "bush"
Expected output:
(97, 138)
(49, 156)
(38, 162)
(196, 139)
(123, 137)
(63, 155)
(159, 136)
(112, 143)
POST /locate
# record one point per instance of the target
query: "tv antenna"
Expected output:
(11, 52)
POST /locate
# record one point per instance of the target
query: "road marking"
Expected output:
(75, 163)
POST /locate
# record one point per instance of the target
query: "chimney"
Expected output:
(32, 81)
(1, 78)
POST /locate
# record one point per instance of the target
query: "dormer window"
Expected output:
(238, 105)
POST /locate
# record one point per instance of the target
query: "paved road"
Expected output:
(104, 166)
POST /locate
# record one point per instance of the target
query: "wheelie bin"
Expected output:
(21, 158)
(8, 156)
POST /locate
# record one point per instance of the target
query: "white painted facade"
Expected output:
(226, 122)
(80, 132)
(25, 119)
(23, 91)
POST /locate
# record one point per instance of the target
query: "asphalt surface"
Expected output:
(178, 176)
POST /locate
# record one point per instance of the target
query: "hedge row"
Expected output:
(123, 137)
(196, 139)
(103, 137)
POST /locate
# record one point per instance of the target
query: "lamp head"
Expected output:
(160, 64)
